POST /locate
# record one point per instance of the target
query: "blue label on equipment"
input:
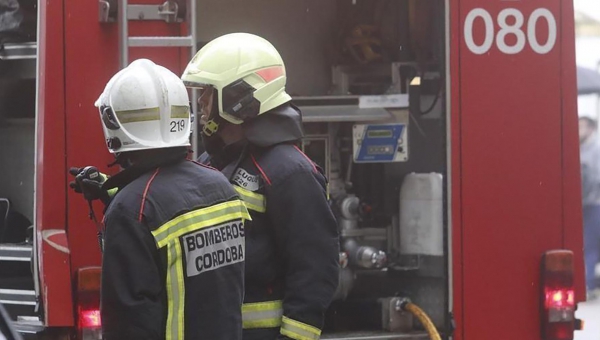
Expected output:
(380, 143)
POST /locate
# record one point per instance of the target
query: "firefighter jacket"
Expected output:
(174, 254)
(292, 242)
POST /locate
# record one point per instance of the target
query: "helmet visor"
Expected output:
(207, 98)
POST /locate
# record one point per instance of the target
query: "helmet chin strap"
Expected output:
(210, 128)
(214, 119)
(122, 160)
(213, 144)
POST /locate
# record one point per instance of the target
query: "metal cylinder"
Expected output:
(349, 207)
(369, 257)
(346, 224)
(345, 284)
(191, 19)
(364, 256)
(123, 34)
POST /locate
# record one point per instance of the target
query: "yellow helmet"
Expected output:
(246, 71)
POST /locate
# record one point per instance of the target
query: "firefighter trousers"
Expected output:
(260, 334)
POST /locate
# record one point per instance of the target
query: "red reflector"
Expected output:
(560, 298)
(90, 318)
(560, 331)
(271, 73)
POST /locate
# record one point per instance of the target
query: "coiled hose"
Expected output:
(410, 307)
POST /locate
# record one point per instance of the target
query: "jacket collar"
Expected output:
(128, 175)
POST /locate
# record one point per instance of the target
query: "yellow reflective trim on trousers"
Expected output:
(262, 314)
(298, 330)
(141, 115)
(199, 219)
(253, 201)
(175, 292)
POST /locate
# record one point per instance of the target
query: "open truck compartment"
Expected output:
(17, 156)
(350, 65)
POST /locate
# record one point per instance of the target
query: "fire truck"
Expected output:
(448, 130)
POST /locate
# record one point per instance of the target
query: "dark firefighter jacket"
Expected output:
(292, 241)
(174, 254)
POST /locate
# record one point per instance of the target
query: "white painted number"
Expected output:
(510, 21)
(533, 41)
(489, 31)
(514, 29)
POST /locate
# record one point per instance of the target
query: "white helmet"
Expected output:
(144, 106)
(246, 71)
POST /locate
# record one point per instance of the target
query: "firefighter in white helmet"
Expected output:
(174, 245)
(250, 132)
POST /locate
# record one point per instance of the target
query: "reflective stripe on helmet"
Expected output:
(141, 115)
(180, 111)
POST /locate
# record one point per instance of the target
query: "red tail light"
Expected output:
(558, 296)
(89, 318)
(88, 304)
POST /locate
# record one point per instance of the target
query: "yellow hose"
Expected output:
(420, 314)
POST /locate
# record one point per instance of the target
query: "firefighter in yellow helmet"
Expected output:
(250, 133)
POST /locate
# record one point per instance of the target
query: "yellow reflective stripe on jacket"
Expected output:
(198, 219)
(262, 314)
(168, 235)
(298, 330)
(253, 201)
(110, 192)
(175, 292)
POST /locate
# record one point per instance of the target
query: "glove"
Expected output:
(88, 181)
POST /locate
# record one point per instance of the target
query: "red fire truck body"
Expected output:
(504, 139)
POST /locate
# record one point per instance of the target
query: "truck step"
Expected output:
(28, 325)
(18, 51)
(15, 252)
(17, 297)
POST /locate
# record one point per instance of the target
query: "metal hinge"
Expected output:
(171, 11)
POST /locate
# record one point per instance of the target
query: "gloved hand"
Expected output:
(88, 181)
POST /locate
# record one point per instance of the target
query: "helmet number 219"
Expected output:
(177, 126)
